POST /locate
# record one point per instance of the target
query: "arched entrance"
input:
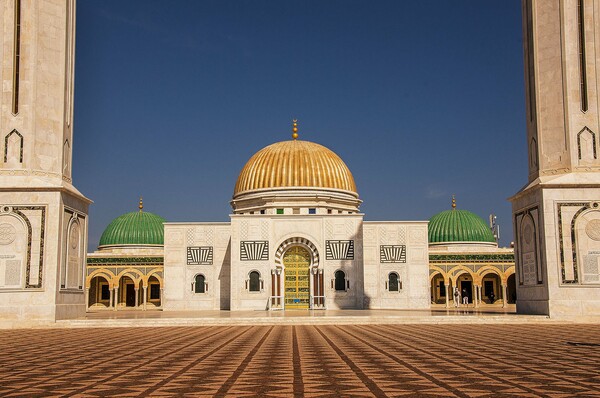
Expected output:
(296, 262)
(511, 288)
(154, 290)
(464, 283)
(127, 291)
(491, 288)
(99, 293)
(438, 289)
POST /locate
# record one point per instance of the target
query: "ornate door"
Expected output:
(297, 273)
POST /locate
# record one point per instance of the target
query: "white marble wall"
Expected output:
(37, 169)
(179, 276)
(413, 269)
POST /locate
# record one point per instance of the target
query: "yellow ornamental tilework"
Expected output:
(295, 163)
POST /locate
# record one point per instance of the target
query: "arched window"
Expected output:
(199, 284)
(393, 282)
(254, 285)
(340, 280)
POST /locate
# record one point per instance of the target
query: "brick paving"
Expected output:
(302, 360)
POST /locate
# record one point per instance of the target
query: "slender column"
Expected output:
(87, 298)
(137, 296)
(504, 301)
(162, 290)
(116, 300)
(447, 298)
(145, 295)
(321, 288)
(110, 303)
(271, 301)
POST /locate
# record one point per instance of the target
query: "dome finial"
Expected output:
(453, 203)
(141, 205)
(295, 129)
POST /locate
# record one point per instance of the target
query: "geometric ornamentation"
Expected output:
(339, 250)
(392, 254)
(254, 250)
(201, 255)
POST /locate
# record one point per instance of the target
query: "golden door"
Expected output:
(297, 273)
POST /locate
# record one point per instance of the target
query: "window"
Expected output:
(254, 281)
(262, 211)
(199, 284)
(279, 211)
(104, 292)
(155, 291)
(312, 211)
(329, 211)
(393, 283)
(340, 281)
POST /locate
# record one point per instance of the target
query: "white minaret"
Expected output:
(43, 218)
(557, 214)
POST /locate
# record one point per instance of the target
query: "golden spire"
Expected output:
(453, 203)
(295, 129)
(141, 205)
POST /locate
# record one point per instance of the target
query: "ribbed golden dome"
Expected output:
(292, 164)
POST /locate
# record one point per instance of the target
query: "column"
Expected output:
(474, 292)
(321, 289)
(162, 291)
(447, 297)
(271, 300)
(87, 298)
(116, 299)
(110, 303)
(504, 300)
(145, 295)
(137, 296)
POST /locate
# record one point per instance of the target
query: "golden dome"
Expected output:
(293, 164)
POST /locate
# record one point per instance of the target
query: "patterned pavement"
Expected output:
(301, 360)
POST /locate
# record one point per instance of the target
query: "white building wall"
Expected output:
(380, 240)
(180, 269)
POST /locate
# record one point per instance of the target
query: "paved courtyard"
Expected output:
(298, 360)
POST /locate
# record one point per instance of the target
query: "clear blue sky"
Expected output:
(421, 99)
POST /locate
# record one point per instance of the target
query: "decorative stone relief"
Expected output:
(350, 228)
(392, 254)
(254, 250)
(264, 230)
(587, 236)
(209, 234)
(402, 235)
(243, 230)
(528, 252)
(339, 250)
(328, 228)
(202, 255)
(8, 233)
(417, 235)
(191, 236)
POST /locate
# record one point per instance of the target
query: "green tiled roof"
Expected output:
(458, 226)
(136, 228)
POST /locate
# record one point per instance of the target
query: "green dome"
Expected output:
(458, 226)
(136, 228)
